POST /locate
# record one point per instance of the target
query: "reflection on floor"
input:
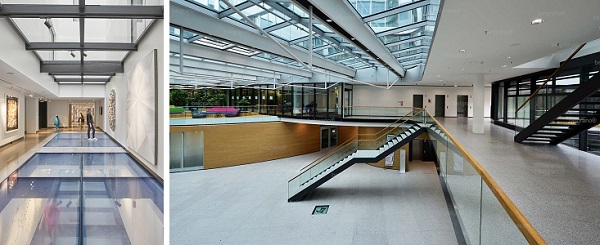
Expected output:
(367, 205)
(81, 198)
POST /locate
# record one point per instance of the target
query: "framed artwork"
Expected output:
(12, 113)
(142, 84)
(112, 100)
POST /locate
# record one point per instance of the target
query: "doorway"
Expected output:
(78, 111)
(418, 100)
(329, 136)
(462, 106)
(43, 115)
(440, 105)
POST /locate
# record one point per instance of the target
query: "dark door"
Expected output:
(43, 115)
(462, 103)
(440, 105)
(418, 100)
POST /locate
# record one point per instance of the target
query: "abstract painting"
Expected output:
(112, 100)
(12, 113)
(142, 83)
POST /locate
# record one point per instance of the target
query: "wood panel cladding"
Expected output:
(346, 132)
(236, 144)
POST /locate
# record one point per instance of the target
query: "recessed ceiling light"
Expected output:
(352, 39)
(462, 51)
(368, 50)
(441, 80)
(537, 21)
(329, 20)
(503, 66)
(507, 57)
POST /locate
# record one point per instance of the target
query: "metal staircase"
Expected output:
(577, 112)
(359, 149)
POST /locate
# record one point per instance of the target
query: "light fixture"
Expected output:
(72, 54)
(462, 51)
(352, 38)
(84, 54)
(47, 23)
(329, 20)
(504, 66)
(507, 57)
(537, 21)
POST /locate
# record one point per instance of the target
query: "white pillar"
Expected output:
(478, 103)
(32, 114)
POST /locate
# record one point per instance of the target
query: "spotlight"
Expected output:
(117, 203)
(48, 24)
(84, 55)
(72, 54)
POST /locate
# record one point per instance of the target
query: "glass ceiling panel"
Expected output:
(87, 2)
(395, 37)
(292, 32)
(260, 16)
(399, 20)
(34, 29)
(115, 30)
(215, 5)
(298, 11)
(369, 7)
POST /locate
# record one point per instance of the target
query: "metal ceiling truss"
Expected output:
(406, 28)
(80, 11)
(396, 10)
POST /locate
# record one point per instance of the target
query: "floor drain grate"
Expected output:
(321, 209)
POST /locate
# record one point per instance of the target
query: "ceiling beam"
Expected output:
(410, 49)
(409, 40)
(202, 23)
(396, 10)
(346, 22)
(240, 6)
(78, 79)
(205, 65)
(407, 27)
(74, 11)
(87, 68)
(86, 46)
(238, 59)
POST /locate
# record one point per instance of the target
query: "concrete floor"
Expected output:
(368, 205)
(556, 187)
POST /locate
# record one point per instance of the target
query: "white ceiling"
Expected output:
(463, 24)
(15, 80)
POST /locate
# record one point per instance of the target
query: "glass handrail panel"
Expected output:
(496, 225)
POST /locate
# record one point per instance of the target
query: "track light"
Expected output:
(84, 54)
(72, 54)
(48, 24)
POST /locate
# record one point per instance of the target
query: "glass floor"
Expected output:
(84, 198)
(80, 140)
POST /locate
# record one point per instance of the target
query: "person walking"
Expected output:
(90, 123)
(56, 122)
(81, 121)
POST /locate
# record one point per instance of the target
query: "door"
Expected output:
(329, 136)
(43, 115)
(440, 105)
(418, 100)
(462, 106)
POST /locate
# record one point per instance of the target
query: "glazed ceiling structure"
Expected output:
(81, 41)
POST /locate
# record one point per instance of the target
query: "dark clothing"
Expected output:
(90, 123)
(90, 119)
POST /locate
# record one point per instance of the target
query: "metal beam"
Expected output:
(74, 11)
(202, 23)
(71, 80)
(410, 49)
(407, 27)
(240, 6)
(345, 21)
(86, 46)
(238, 59)
(204, 65)
(409, 40)
(396, 10)
(220, 74)
(87, 68)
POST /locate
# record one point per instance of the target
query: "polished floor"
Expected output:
(367, 205)
(80, 197)
(556, 187)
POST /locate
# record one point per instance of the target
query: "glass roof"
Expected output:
(44, 31)
(288, 22)
(370, 7)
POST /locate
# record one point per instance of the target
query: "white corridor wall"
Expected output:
(371, 96)
(153, 40)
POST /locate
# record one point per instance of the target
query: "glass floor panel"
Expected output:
(80, 140)
(40, 203)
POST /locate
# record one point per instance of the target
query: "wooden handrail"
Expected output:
(528, 231)
(550, 77)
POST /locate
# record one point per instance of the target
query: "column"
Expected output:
(478, 103)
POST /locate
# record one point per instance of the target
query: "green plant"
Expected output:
(179, 97)
(243, 102)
